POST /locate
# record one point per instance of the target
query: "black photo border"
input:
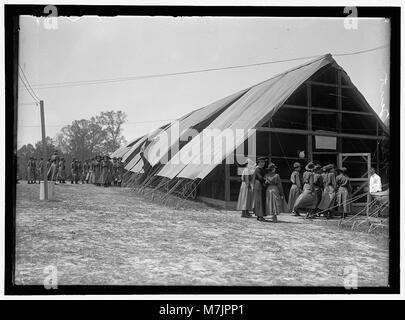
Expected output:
(11, 52)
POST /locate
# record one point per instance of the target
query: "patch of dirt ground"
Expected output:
(115, 236)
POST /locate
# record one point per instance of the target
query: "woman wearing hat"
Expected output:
(318, 185)
(91, 169)
(74, 171)
(105, 171)
(96, 170)
(120, 171)
(85, 172)
(62, 171)
(274, 193)
(296, 187)
(344, 190)
(258, 189)
(245, 199)
(31, 171)
(307, 199)
(329, 194)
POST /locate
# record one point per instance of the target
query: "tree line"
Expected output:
(82, 139)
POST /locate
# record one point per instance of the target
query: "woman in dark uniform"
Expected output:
(329, 194)
(105, 171)
(259, 195)
(97, 169)
(318, 188)
(344, 190)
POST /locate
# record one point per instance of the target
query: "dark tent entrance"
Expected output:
(325, 118)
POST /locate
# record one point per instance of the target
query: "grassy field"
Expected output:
(114, 236)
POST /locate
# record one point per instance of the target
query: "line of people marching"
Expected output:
(100, 171)
(315, 191)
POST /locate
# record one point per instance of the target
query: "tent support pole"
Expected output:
(377, 150)
(270, 141)
(339, 107)
(309, 122)
(227, 185)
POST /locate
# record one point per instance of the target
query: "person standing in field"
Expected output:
(73, 171)
(274, 193)
(115, 171)
(41, 169)
(105, 171)
(307, 199)
(318, 187)
(259, 195)
(329, 192)
(96, 170)
(48, 164)
(296, 187)
(120, 171)
(79, 171)
(53, 169)
(62, 170)
(31, 170)
(85, 172)
(245, 199)
(344, 190)
(375, 181)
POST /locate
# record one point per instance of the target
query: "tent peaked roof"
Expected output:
(246, 113)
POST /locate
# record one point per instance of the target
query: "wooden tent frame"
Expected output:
(341, 75)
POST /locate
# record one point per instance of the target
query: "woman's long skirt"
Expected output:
(258, 202)
(61, 175)
(306, 200)
(88, 176)
(274, 204)
(293, 196)
(31, 174)
(53, 172)
(328, 198)
(318, 195)
(342, 198)
(245, 199)
(103, 176)
(95, 176)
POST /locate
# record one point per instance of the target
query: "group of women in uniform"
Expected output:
(314, 191)
(104, 172)
(100, 171)
(261, 191)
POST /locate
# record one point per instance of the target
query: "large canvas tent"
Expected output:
(311, 112)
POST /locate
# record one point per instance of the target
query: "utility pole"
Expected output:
(44, 155)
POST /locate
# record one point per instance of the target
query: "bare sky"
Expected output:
(102, 48)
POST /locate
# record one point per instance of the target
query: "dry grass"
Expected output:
(96, 235)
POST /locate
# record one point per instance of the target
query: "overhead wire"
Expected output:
(132, 78)
(28, 83)
(26, 87)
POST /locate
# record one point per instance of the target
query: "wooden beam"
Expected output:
(339, 107)
(293, 106)
(309, 121)
(289, 158)
(324, 84)
(269, 125)
(324, 152)
(227, 183)
(323, 133)
(377, 150)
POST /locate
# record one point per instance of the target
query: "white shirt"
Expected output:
(375, 183)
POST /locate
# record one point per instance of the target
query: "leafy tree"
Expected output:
(82, 139)
(111, 123)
